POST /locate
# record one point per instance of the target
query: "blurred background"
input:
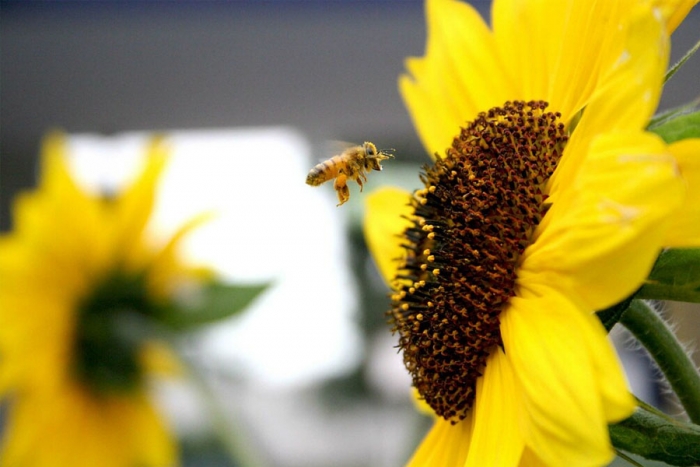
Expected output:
(249, 93)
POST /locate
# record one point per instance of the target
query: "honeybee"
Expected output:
(352, 164)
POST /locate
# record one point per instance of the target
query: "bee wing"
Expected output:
(334, 147)
(325, 150)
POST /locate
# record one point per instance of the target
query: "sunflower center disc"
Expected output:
(107, 341)
(471, 223)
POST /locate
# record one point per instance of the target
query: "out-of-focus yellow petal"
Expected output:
(55, 177)
(444, 445)
(685, 225)
(46, 342)
(496, 410)
(158, 359)
(166, 271)
(149, 439)
(459, 76)
(571, 383)
(134, 207)
(75, 429)
(384, 226)
(602, 237)
(59, 201)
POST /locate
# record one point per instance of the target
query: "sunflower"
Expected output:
(80, 280)
(545, 202)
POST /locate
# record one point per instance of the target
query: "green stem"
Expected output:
(654, 411)
(661, 343)
(231, 436)
(226, 429)
(677, 66)
(629, 460)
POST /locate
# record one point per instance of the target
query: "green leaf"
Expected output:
(680, 127)
(675, 276)
(671, 114)
(658, 438)
(610, 316)
(215, 303)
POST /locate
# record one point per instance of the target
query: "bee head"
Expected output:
(370, 149)
(374, 157)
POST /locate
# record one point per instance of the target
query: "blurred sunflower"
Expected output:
(550, 202)
(80, 282)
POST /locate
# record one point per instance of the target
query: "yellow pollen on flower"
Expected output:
(484, 200)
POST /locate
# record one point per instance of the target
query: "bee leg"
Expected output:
(364, 179)
(342, 189)
(359, 181)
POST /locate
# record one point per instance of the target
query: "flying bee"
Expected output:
(351, 164)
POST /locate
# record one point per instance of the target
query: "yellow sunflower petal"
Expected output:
(524, 33)
(497, 438)
(383, 227)
(434, 126)
(509, 18)
(685, 227)
(624, 101)
(636, 88)
(674, 11)
(571, 384)
(541, 42)
(530, 459)
(601, 240)
(444, 445)
(420, 404)
(459, 76)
